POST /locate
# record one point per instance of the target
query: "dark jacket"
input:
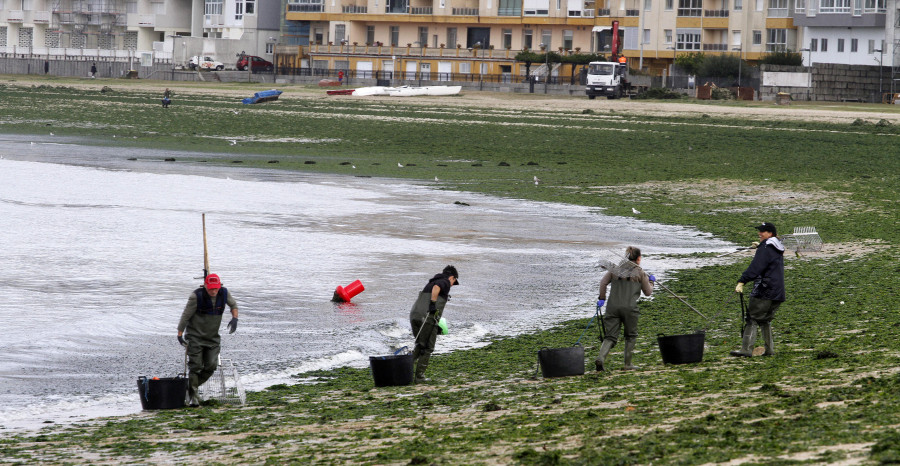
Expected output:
(442, 281)
(205, 304)
(767, 271)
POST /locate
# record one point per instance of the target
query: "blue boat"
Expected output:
(263, 96)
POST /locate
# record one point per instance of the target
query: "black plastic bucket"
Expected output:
(681, 349)
(392, 370)
(561, 362)
(162, 393)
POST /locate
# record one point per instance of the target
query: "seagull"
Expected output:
(233, 142)
(235, 112)
(354, 166)
(436, 179)
(399, 164)
(51, 133)
(635, 210)
(536, 181)
(32, 143)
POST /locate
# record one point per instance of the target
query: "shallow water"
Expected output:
(100, 254)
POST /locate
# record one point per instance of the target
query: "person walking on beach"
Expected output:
(766, 271)
(621, 308)
(202, 318)
(93, 70)
(166, 98)
(425, 315)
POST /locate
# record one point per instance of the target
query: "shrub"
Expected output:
(785, 57)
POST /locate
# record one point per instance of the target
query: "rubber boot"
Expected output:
(599, 363)
(765, 330)
(193, 384)
(421, 366)
(629, 352)
(749, 338)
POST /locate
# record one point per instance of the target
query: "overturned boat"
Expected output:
(402, 91)
(263, 96)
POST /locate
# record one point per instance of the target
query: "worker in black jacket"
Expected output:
(766, 271)
(425, 315)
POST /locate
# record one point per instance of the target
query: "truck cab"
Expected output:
(607, 78)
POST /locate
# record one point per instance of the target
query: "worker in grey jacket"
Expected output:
(622, 309)
(425, 315)
(202, 318)
(766, 271)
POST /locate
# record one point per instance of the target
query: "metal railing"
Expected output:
(715, 13)
(464, 11)
(421, 10)
(357, 9)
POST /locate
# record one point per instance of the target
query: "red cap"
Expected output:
(212, 282)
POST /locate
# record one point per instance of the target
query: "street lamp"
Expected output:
(343, 44)
(880, 68)
(674, 56)
(808, 72)
(546, 50)
(740, 66)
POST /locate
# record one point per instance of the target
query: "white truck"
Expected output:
(607, 78)
(206, 63)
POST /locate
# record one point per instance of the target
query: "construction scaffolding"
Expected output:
(87, 24)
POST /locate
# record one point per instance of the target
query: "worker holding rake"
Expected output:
(202, 318)
(766, 271)
(425, 315)
(622, 309)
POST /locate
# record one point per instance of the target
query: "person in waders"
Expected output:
(202, 318)
(622, 309)
(425, 315)
(766, 271)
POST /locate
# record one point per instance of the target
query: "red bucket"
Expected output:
(345, 294)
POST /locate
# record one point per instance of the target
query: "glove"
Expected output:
(652, 278)
(739, 288)
(232, 325)
(181, 340)
(754, 245)
(432, 307)
(600, 303)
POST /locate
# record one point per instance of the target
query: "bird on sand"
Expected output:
(635, 210)
(436, 179)
(399, 164)
(233, 142)
(354, 166)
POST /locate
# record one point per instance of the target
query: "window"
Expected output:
(687, 40)
(648, 5)
(536, 7)
(423, 36)
(670, 5)
(567, 39)
(465, 67)
(451, 37)
(814, 45)
(840, 45)
(690, 7)
(646, 37)
(736, 39)
(757, 37)
(270, 48)
(759, 5)
(777, 40)
(250, 7)
(158, 8)
(547, 38)
(507, 38)
(510, 8)
(854, 45)
(239, 11)
(528, 39)
(395, 35)
(370, 35)
(876, 6)
(824, 44)
(738, 5)
(668, 34)
(778, 9)
(131, 8)
(871, 46)
(212, 7)
(834, 6)
(340, 33)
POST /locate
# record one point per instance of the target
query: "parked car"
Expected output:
(205, 63)
(255, 63)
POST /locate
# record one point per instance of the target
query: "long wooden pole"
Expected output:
(205, 250)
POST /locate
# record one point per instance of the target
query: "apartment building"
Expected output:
(170, 29)
(852, 32)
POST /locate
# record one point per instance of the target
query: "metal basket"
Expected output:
(224, 385)
(803, 239)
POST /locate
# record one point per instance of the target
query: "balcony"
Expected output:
(354, 9)
(421, 10)
(306, 7)
(147, 21)
(214, 21)
(464, 11)
(602, 11)
(632, 12)
(689, 12)
(41, 17)
(779, 13)
(715, 47)
(581, 13)
(715, 13)
(15, 16)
